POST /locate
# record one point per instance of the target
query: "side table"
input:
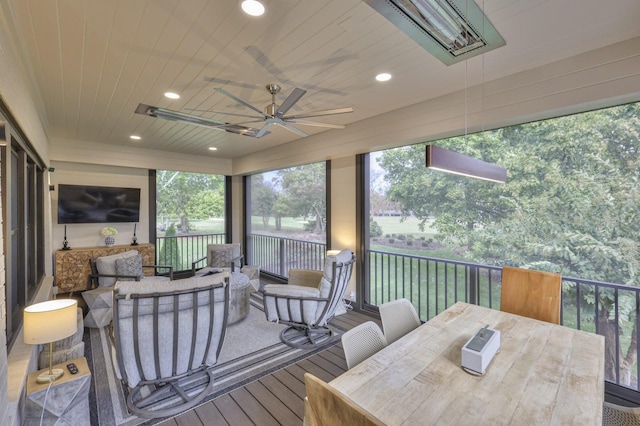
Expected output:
(68, 399)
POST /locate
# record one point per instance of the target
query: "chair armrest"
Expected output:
(195, 262)
(116, 276)
(305, 277)
(157, 267)
(234, 260)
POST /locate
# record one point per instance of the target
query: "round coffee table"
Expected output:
(239, 303)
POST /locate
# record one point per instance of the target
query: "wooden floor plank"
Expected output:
(210, 415)
(326, 365)
(334, 359)
(189, 418)
(296, 385)
(277, 408)
(294, 401)
(317, 371)
(231, 411)
(252, 407)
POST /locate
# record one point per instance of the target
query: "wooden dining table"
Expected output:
(544, 374)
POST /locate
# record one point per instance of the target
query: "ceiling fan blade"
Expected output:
(225, 113)
(245, 103)
(320, 113)
(182, 117)
(232, 83)
(315, 123)
(172, 115)
(292, 129)
(290, 101)
(263, 131)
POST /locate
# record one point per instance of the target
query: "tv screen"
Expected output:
(97, 204)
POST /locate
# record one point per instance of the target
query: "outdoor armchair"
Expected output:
(309, 301)
(224, 257)
(166, 337)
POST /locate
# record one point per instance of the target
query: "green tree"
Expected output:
(170, 252)
(189, 196)
(263, 197)
(304, 188)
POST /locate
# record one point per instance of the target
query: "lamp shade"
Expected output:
(50, 321)
(333, 252)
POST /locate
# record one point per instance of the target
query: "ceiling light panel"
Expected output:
(451, 30)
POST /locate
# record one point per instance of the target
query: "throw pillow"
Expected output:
(107, 265)
(129, 266)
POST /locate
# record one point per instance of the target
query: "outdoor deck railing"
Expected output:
(432, 285)
(276, 255)
(180, 250)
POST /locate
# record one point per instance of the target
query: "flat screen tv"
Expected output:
(97, 204)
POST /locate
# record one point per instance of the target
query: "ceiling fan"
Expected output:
(274, 114)
(169, 114)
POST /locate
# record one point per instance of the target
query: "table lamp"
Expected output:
(48, 322)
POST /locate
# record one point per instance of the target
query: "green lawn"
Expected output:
(394, 225)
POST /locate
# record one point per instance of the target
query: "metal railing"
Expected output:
(276, 255)
(180, 250)
(432, 285)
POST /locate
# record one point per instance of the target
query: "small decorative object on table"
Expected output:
(65, 243)
(108, 233)
(134, 241)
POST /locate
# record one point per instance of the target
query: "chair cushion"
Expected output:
(129, 266)
(325, 283)
(293, 311)
(107, 265)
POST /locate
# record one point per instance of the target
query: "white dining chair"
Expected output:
(361, 342)
(398, 318)
(618, 415)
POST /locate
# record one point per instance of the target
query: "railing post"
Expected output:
(281, 247)
(473, 285)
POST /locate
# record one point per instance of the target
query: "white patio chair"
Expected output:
(361, 342)
(398, 318)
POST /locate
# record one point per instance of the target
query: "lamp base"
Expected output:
(45, 377)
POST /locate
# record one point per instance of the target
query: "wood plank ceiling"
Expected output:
(93, 62)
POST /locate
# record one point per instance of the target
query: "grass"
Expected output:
(394, 225)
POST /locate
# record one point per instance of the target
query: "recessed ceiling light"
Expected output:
(135, 137)
(383, 76)
(252, 7)
(213, 148)
(172, 95)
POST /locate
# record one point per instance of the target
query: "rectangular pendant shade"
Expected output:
(452, 162)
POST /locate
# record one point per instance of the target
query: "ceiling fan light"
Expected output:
(252, 7)
(383, 76)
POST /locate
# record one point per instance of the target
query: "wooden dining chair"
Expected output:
(326, 406)
(532, 294)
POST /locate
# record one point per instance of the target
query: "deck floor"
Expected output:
(276, 399)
